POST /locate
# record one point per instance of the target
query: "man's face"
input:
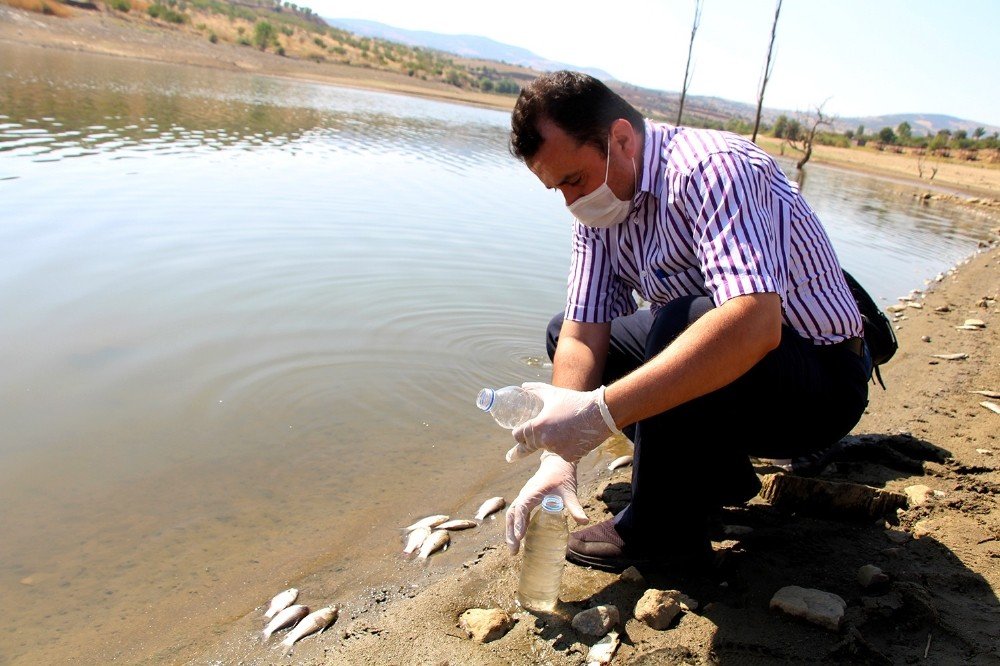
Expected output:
(577, 170)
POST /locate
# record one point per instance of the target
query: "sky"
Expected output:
(858, 57)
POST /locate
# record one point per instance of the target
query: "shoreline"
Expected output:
(949, 538)
(108, 34)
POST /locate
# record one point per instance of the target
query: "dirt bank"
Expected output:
(942, 558)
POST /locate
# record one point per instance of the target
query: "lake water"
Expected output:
(243, 321)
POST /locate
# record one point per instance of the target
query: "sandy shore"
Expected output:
(942, 558)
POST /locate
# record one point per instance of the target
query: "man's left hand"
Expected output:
(571, 423)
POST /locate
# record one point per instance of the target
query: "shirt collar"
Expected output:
(651, 141)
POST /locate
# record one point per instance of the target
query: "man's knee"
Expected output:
(672, 319)
(552, 334)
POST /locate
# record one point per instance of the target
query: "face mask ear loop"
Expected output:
(607, 164)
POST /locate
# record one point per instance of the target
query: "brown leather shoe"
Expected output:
(602, 547)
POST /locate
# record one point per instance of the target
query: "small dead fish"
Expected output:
(438, 540)
(621, 461)
(429, 521)
(492, 505)
(975, 323)
(285, 618)
(992, 406)
(951, 357)
(414, 539)
(315, 621)
(988, 394)
(457, 524)
(281, 601)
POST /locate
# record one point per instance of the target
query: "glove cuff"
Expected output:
(606, 413)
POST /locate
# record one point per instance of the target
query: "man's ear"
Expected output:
(623, 136)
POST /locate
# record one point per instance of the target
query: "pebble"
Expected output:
(657, 608)
(870, 575)
(486, 624)
(816, 606)
(603, 651)
(632, 575)
(896, 536)
(925, 338)
(984, 452)
(918, 495)
(922, 528)
(737, 530)
(597, 621)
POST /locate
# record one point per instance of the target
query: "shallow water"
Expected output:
(244, 321)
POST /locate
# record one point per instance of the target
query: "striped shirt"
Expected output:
(713, 216)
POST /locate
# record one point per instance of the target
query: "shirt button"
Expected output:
(642, 274)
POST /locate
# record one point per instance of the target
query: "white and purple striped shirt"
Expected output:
(714, 216)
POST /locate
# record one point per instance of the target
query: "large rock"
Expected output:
(829, 498)
(486, 624)
(658, 608)
(823, 608)
(597, 621)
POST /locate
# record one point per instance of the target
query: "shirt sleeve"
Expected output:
(595, 294)
(736, 238)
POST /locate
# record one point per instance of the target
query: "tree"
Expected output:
(978, 133)
(768, 67)
(794, 133)
(904, 131)
(780, 126)
(264, 34)
(687, 67)
(886, 135)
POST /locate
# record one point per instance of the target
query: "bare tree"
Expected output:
(768, 66)
(819, 120)
(687, 67)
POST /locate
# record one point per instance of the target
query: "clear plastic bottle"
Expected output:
(544, 557)
(510, 406)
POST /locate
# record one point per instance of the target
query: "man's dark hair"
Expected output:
(579, 104)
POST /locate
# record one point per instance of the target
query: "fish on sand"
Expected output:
(281, 601)
(620, 461)
(457, 524)
(415, 539)
(438, 540)
(285, 618)
(490, 506)
(429, 521)
(315, 621)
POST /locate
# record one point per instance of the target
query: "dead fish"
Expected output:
(992, 406)
(620, 461)
(951, 357)
(281, 601)
(414, 539)
(285, 618)
(602, 651)
(457, 524)
(438, 540)
(429, 521)
(967, 327)
(315, 621)
(988, 394)
(492, 505)
(975, 323)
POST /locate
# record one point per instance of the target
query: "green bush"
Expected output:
(214, 38)
(120, 5)
(264, 35)
(158, 11)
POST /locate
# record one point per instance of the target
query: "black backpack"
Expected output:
(879, 334)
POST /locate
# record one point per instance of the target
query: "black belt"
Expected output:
(855, 345)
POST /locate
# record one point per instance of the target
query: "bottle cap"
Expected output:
(484, 400)
(552, 503)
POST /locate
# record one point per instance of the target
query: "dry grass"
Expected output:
(49, 7)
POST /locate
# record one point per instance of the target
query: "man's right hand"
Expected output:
(555, 476)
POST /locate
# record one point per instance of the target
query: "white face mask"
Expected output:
(601, 208)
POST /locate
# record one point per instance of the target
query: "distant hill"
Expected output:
(659, 103)
(467, 46)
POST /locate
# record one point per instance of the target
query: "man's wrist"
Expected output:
(606, 413)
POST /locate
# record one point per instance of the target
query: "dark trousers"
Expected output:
(695, 458)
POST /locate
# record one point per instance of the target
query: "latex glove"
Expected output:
(571, 423)
(555, 476)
